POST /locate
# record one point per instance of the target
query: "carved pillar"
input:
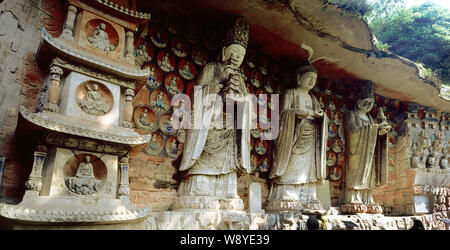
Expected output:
(69, 24)
(124, 189)
(128, 108)
(54, 89)
(129, 47)
(34, 182)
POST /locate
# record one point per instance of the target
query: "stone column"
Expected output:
(128, 108)
(54, 89)
(34, 183)
(69, 24)
(124, 189)
(129, 45)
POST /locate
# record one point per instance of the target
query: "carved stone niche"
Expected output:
(88, 98)
(100, 36)
(69, 174)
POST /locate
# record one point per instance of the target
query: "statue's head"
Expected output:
(87, 158)
(366, 97)
(95, 86)
(306, 77)
(103, 26)
(235, 43)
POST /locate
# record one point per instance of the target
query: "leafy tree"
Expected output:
(420, 34)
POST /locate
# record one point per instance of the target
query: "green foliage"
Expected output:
(420, 34)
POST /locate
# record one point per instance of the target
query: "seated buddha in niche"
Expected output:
(100, 39)
(93, 103)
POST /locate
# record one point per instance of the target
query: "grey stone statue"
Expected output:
(100, 39)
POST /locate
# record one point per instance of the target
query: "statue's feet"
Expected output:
(312, 206)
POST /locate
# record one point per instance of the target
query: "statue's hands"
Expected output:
(319, 113)
(303, 114)
(383, 128)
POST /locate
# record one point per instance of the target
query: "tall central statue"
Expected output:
(366, 154)
(299, 156)
(212, 155)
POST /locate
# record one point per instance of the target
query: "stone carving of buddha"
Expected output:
(143, 121)
(210, 161)
(365, 140)
(300, 150)
(159, 103)
(444, 160)
(84, 182)
(100, 39)
(173, 87)
(93, 103)
(165, 63)
(416, 159)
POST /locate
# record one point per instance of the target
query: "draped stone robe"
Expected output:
(211, 157)
(366, 156)
(299, 155)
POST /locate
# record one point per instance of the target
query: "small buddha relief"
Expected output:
(193, 32)
(143, 52)
(166, 61)
(261, 147)
(338, 117)
(261, 97)
(173, 22)
(94, 98)
(166, 125)
(84, 174)
(254, 163)
(256, 78)
(212, 40)
(187, 69)
(173, 147)
(256, 133)
(174, 84)
(159, 36)
(179, 47)
(199, 55)
(155, 77)
(160, 101)
(335, 173)
(102, 35)
(264, 164)
(264, 65)
(269, 84)
(331, 159)
(332, 130)
(145, 119)
(252, 58)
(155, 145)
(338, 145)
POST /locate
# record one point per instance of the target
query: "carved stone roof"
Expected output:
(74, 126)
(63, 49)
(123, 10)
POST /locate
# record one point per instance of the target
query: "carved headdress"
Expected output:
(367, 90)
(238, 34)
(304, 69)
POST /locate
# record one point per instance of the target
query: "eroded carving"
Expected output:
(93, 102)
(299, 161)
(84, 182)
(100, 38)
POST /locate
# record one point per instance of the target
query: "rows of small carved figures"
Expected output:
(176, 50)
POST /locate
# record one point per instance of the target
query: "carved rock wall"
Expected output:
(21, 22)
